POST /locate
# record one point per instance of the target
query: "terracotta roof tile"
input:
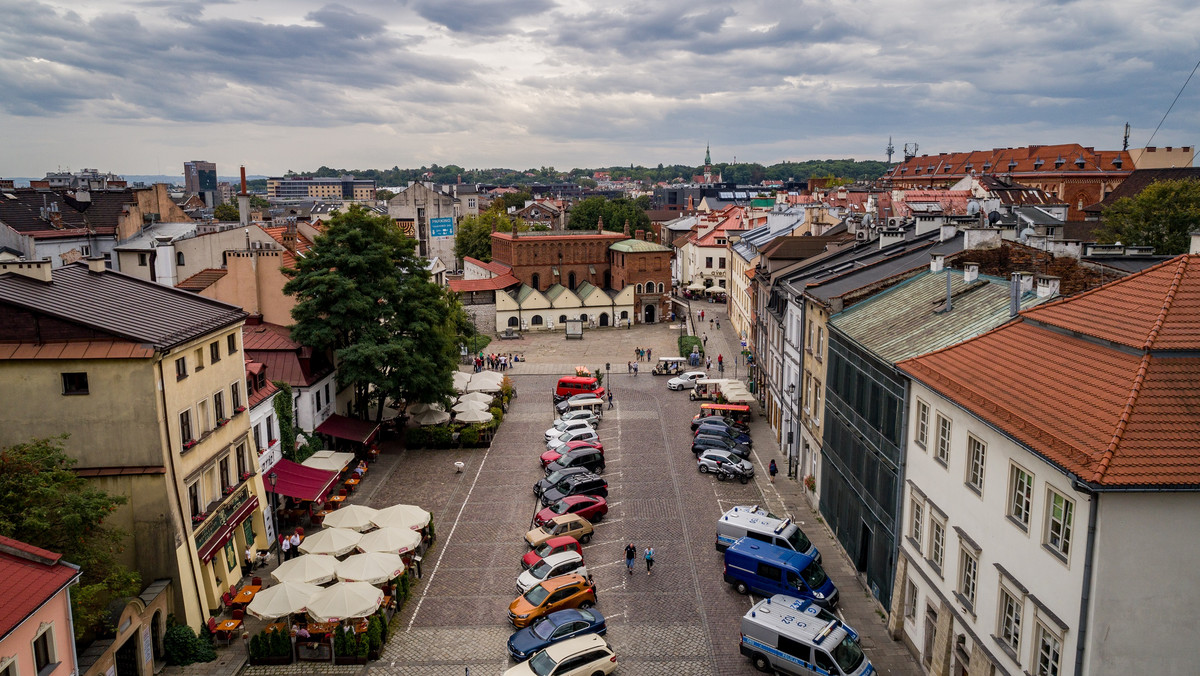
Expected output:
(491, 284)
(1112, 417)
(29, 576)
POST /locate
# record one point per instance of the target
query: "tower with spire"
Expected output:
(707, 164)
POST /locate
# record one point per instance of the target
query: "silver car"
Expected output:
(707, 461)
(685, 381)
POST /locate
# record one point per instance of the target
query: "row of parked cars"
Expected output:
(559, 630)
(722, 446)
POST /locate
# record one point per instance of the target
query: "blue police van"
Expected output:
(766, 569)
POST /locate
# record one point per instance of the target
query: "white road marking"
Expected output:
(603, 565)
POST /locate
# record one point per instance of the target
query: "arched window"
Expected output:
(512, 321)
(536, 321)
(624, 314)
(536, 281)
(571, 281)
(660, 287)
(583, 317)
(562, 319)
(638, 289)
(179, 258)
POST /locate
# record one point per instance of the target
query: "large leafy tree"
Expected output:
(47, 505)
(474, 237)
(1161, 216)
(614, 213)
(364, 293)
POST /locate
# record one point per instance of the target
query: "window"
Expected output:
(721, 262)
(910, 601)
(819, 351)
(203, 422)
(231, 343)
(235, 397)
(318, 400)
(224, 472)
(1010, 619)
(708, 261)
(922, 423)
(258, 444)
(968, 575)
(179, 258)
(214, 352)
(637, 288)
(1020, 496)
(242, 465)
(193, 490)
(328, 399)
(1048, 652)
(977, 452)
(198, 356)
(43, 651)
(535, 280)
(916, 522)
(660, 287)
(271, 427)
(1060, 513)
(219, 404)
(943, 442)
(142, 260)
(181, 368)
(809, 342)
(937, 542)
(185, 426)
(74, 383)
(816, 402)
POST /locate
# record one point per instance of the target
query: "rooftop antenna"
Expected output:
(910, 151)
(1125, 144)
(891, 150)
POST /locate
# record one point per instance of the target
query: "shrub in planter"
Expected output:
(442, 436)
(256, 649)
(281, 644)
(363, 648)
(497, 413)
(343, 643)
(182, 646)
(417, 437)
(430, 527)
(686, 343)
(374, 635)
(469, 436)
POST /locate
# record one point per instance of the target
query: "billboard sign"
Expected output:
(441, 227)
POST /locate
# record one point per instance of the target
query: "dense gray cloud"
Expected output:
(297, 83)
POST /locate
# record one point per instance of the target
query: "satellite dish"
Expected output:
(1026, 234)
(994, 217)
(972, 208)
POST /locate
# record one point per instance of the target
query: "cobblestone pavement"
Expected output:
(683, 619)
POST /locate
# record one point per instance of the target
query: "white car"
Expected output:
(583, 434)
(585, 655)
(561, 426)
(685, 381)
(554, 565)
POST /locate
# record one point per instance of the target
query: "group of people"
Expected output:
(631, 367)
(642, 352)
(495, 362)
(289, 545)
(631, 555)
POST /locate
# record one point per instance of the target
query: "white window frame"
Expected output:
(937, 543)
(976, 463)
(945, 430)
(46, 629)
(916, 522)
(1060, 527)
(922, 437)
(1019, 513)
(1011, 612)
(968, 574)
(910, 600)
(1043, 637)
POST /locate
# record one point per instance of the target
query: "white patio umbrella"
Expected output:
(474, 415)
(483, 386)
(310, 568)
(464, 406)
(402, 516)
(460, 380)
(284, 598)
(476, 396)
(487, 377)
(370, 567)
(695, 286)
(421, 407)
(431, 417)
(354, 517)
(335, 541)
(392, 540)
(344, 600)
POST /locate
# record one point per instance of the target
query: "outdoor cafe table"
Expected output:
(336, 500)
(321, 627)
(276, 626)
(352, 483)
(227, 628)
(246, 595)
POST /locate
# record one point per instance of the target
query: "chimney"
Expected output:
(640, 234)
(890, 237)
(626, 231)
(244, 192)
(937, 262)
(39, 270)
(1047, 286)
(1026, 281)
(1195, 248)
(948, 232)
(244, 202)
(1014, 295)
(970, 272)
(96, 264)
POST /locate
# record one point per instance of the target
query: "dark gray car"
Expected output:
(704, 442)
(585, 483)
(589, 458)
(543, 485)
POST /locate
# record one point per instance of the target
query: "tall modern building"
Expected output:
(346, 188)
(200, 177)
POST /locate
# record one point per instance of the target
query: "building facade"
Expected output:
(36, 633)
(345, 188)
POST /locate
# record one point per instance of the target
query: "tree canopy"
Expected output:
(47, 505)
(474, 237)
(384, 194)
(1162, 216)
(226, 212)
(364, 293)
(615, 213)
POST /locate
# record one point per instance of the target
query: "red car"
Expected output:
(591, 507)
(550, 456)
(555, 545)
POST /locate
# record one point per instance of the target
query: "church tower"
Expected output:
(707, 164)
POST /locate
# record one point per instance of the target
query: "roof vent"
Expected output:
(1059, 162)
(1117, 162)
(1037, 164)
(1079, 161)
(1012, 164)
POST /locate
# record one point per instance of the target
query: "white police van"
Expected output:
(794, 636)
(758, 524)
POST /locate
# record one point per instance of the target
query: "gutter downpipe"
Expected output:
(1085, 596)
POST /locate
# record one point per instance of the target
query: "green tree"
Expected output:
(365, 294)
(1162, 216)
(257, 202)
(47, 505)
(226, 212)
(474, 237)
(512, 199)
(586, 182)
(614, 213)
(384, 194)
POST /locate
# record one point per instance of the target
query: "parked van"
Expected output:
(751, 565)
(572, 385)
(596, 406)
(788, 635)
(759, 524)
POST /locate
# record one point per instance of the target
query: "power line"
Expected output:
(1164, 117)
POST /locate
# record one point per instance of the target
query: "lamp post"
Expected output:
(272, 478)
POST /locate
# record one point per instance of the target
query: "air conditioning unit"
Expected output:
(894, 222)
(862, 235)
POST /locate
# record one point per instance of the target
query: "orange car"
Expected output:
(557, 593)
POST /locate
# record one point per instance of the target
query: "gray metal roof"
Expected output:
(873, 269)
(114, 303)
(909, 319)
(149, 236)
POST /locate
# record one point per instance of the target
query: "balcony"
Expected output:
(218, 511)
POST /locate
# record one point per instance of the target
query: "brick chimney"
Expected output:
(626, 227)
(289, 235)
(970, 272)
(640, 234)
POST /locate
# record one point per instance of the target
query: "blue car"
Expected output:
(727, 432)
(557, 626)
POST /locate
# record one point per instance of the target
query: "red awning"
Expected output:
(350, 429)
(222, 536)
(297, 481)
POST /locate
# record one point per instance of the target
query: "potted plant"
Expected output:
(229, 490)
(222, 422)
(374, 637)
(187, 445)
(247, 475)
(810, 483)
(240, 409)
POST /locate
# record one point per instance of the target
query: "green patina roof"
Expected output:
(584, 290)
(554, 292)
(524, 292)
(637, 246)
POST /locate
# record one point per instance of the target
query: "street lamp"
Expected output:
(272, 478)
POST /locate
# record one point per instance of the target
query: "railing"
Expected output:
(228, 507)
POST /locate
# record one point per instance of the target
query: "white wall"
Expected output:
(270, 455)
(308, 417)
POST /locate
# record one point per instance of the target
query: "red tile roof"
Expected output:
(29, 576)
(265, 336)
(1028, 160)
(492, 266)
(80, 349)
(1115, 406)
(491, 284)
(202, 280)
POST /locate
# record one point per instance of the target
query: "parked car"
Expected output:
(561, 426)
(705, 442)
(564, 524)
(588, 655)
(581, 414)
(583, 434)
(557, 593)
(551, 566)
(591, 507)
(557, 626)
(702, 419)
(707, 461)
(719, 431)
(580, 457)
(686, 380)
(576, 484)
(561, 543)
(549, 482)
(565, 405)
(550, 456)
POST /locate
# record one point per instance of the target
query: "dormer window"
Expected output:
(1117, 162)
(1079, 161)
(1037, 164)
(1059, 162)
(1012, 164)
(968, 166)
(987, 165)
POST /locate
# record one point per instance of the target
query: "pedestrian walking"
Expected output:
(718, 323)
(635, 369)
(710, 322)
(706, 340)
(720, 359)
(285, 545)
(629, 367)
(610, 400)
(295, 543)
(649, 559)
(707, 363)
(648, 350)
(702, 315)
(773, 470)
(630, 555)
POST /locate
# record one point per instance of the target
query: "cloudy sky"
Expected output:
(140, 87)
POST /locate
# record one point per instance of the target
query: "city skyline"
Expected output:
(295, 85)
